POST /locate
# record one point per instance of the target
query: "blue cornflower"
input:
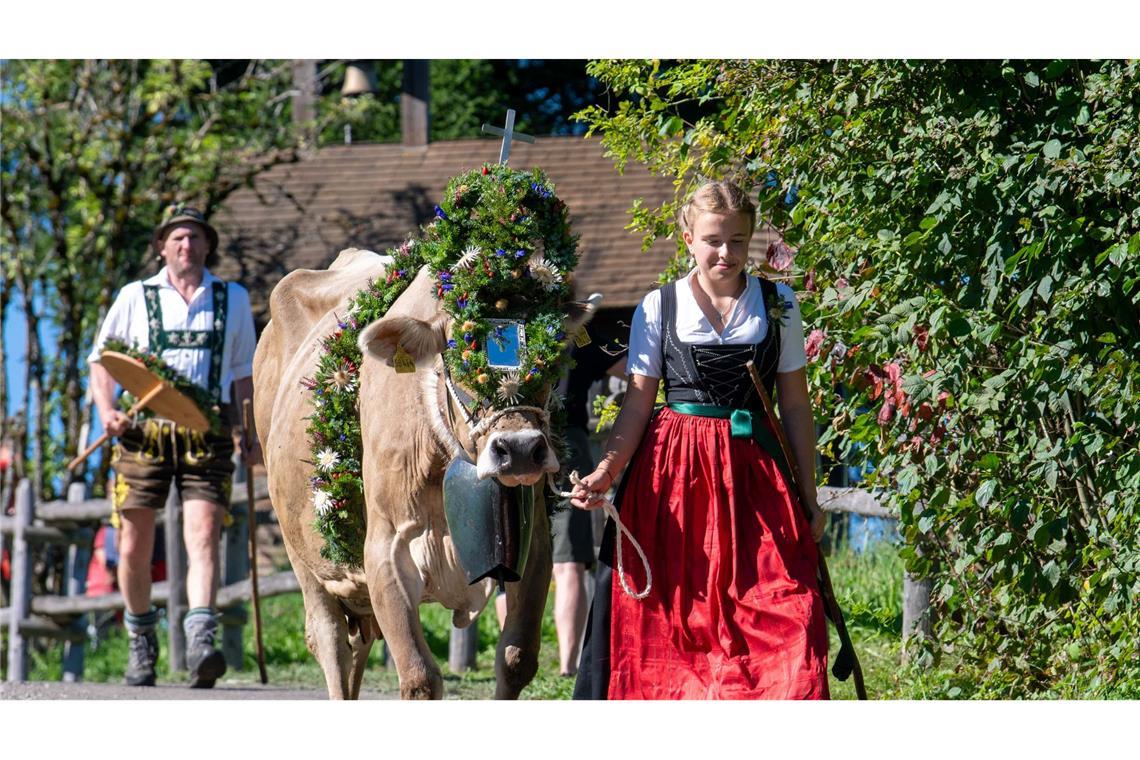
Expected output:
(461, 302)
(500, 252)
(520, 253)
(451, 343)
(440, 213)
(445, 276)
(792, 195)
(772, 180)
(447, 286)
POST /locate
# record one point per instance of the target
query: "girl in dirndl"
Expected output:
(734, 611)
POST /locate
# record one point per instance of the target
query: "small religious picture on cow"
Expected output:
(505, 344)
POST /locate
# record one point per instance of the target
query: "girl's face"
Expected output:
(719, 243)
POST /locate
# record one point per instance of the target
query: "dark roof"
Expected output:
(373, 195)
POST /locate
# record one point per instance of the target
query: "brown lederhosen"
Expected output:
(148, 457)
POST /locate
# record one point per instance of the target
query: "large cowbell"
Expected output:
(490, 525)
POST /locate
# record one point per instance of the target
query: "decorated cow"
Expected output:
(405, 408)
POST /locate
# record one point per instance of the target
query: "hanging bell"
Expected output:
(359, 78)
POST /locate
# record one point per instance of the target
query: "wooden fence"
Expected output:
(72, 524)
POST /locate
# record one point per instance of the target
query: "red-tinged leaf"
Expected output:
(886, 413)
(814, 341)
(780, 255)
(921, 337)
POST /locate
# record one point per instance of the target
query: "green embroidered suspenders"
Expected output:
(210, 340)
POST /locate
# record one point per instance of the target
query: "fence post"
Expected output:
(235, 567)
(78, 558)
(462, 647)
(21, 583)
(176, 575)
(916, 610)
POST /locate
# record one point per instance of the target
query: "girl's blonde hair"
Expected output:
(717, 198)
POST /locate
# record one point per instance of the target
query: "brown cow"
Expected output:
(408, 441)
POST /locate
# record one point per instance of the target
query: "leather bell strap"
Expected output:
(611, 511)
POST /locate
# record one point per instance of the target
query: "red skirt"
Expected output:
(735, 610)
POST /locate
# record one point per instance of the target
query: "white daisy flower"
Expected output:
(546, 273)
(509, 388)
(327, 459)
(322, 502)
(467, 260)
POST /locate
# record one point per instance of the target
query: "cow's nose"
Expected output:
(500, 455)
(507, 453)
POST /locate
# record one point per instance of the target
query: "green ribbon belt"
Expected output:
(742, 424)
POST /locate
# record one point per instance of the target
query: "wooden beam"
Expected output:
(283, 582)
(415, 122)
(857, 501)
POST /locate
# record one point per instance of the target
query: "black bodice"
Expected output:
(715, 374)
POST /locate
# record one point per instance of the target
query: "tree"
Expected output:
(465, 93)
(969, 256)
(93, 150)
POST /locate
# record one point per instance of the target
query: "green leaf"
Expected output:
(1052, 149)
(985, 492)
(958, 327)
(1032, 79)
(671, 126)
(1045, 288)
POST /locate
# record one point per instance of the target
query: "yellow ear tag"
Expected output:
(582, 338)
(403, 361)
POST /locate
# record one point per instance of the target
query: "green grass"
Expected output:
(868, 587)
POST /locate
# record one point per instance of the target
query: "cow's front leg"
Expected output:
(396, 588)
(326, 631)
(516, 658)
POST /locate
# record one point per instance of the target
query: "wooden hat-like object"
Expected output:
(153, 392)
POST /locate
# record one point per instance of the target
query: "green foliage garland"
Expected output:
(200, 396)
(499, 247)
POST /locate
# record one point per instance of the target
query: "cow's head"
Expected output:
(508, 441)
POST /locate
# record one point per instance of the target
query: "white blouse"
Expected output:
(746, 323)
(127, 321)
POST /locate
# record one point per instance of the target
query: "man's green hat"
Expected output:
(177, 214)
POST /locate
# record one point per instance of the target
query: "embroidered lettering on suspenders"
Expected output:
(206, 340)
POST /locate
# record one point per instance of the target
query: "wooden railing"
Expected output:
(72, 524)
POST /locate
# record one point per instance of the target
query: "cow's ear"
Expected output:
(418, 338)
(576, 314)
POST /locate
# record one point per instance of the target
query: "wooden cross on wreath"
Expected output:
(507, 132)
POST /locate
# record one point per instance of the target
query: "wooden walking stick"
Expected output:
(846, 662)
(251, 516)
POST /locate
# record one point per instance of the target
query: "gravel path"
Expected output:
(243, 691)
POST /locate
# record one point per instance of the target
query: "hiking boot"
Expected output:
(206, 662)
(142, 654)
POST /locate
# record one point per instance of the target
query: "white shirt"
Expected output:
(747, 323)
(127, 321)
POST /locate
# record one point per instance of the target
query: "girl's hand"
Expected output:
(588, 492)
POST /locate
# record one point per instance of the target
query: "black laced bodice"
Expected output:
(715, 374)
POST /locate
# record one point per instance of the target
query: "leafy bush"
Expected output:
(969, 257)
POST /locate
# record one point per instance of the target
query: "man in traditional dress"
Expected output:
(201, 327)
